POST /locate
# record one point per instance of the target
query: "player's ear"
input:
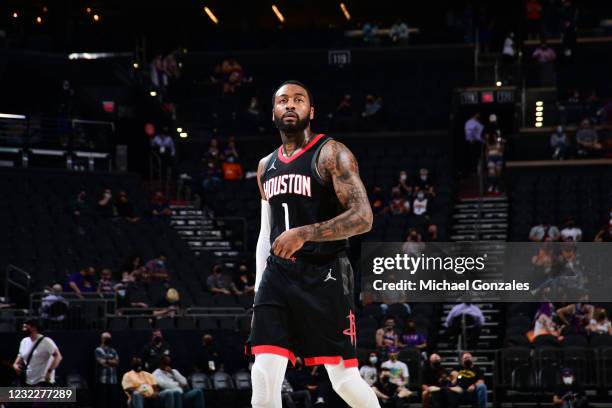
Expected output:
(311, 112)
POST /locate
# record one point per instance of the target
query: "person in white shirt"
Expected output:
(570, 231)
(170, 380)
(398, 369)
(419, 205)
(369, 372)
(38, 356)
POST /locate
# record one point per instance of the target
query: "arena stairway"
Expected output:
(488, 224)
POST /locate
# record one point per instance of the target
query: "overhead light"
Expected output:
(183, 135)
(15, 15)
(539, 108)
(179, 130)
(96, 17)
(538, 114)
(498, 83)
(135, 65)
(347, 15)
(279, 15)
(153, 93)
(11, 116)
(538, 124)
(39, 20)
(540, 119)
(211, 15)
(539, 103)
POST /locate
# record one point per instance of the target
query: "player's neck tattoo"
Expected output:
(292, 143)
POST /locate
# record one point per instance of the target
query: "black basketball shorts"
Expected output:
(305, 309)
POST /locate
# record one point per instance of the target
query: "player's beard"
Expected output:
(298, 126)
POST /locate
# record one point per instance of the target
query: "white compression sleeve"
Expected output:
(267, 375)
(263, 242)
(349, 385)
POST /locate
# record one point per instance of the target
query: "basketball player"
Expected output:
(312, 201)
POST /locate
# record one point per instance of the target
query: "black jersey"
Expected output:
(298, 196)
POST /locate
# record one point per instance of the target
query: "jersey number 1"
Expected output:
(286, 208)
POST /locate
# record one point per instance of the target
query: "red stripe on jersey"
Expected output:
(298, 154)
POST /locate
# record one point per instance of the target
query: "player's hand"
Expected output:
(287, 243)
(471, 388)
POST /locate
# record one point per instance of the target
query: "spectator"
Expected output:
(38, 357)
(411, 338)
(82, 281)
(471, 380)
(125, 209)
(508, 56)
(544, 323)
(213, 153)
(386, 336)
(404, 184)
(230, 154)
(399, 32)
(398, 369)
(211, 176)
(473, 136)
(158, 269)
(372, 111)
(398, 205)
(107, 360)
(170, 305)
(208, 359)
(254, 116)
(79, 207)
(425, 184)
(160, 208)
(153, 352)
(369, 372)
(587, 140)
(344, 115)
(413, 244)
(495, 146)
(569, 394)
(172, 381)
(419, 205)
(534, 19)
(379, 202)
(600, 324)
(140, 386)
(163, 145)
(559, 143)
(544, 232)
(432, 233)
(576, 316)
(545, 57)
(218, 283)
(54, 306)
(106, 285)
(132, 267)
(299, 381)
(244, 284)
(370, 33)
(106, 209)
(465, 315)
(390, 395)
(570, 232)
(436, 387)
(605, 234)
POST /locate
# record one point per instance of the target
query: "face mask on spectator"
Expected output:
(420, 196)
(423, 177)
(468, 363)
(568, 380)
(373, 360)
(137, 367)
(106, 341)
(403, 177)
(559, 129)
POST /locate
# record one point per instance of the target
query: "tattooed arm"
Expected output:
(336, 164)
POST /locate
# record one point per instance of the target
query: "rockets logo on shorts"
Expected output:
(352, 330)
(288, 184)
